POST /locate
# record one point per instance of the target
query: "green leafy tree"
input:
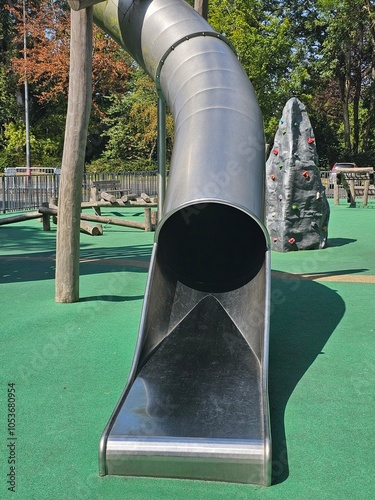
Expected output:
(132, 121)
(348, 59)
(262, 35)
(8, 96)
(47, 68)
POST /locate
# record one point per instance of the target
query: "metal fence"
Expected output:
(19, 191)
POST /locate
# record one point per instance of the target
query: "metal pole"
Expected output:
(3, 194)
(27, 122)
(161, 155)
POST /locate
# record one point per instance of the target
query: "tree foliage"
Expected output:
(46, 67)
(8, 98)
(321, 51)
(132, 121)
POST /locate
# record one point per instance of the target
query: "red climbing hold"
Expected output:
(274, 240)
(306, 174)
(291, 241)
(273, 177)
(275, 151)
(311, 140)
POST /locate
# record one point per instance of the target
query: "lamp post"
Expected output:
(27, 122)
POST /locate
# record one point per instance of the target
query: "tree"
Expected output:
(261, 34)
(8, 98)
(47, 68)
(132, 121)
(369, 80)
(348, 56)
(321, 51)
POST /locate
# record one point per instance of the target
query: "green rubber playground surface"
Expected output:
(70, 362)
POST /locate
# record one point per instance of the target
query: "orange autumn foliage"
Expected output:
(47, 62)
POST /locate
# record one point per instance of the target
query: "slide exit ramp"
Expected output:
(196, 402)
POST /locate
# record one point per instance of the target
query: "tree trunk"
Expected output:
(370, 115)
(344, 85)
(70, 196)
(371, 108)
(357, 77)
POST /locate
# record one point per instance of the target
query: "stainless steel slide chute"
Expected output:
(196, 402)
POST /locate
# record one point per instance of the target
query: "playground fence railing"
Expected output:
(19, 191)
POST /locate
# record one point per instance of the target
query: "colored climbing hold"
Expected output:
(280, 197)
(284, 131)
(281, 121)
(291, 241)
(306, 174)
(274, 240)
(281, 166)
(294, 207)
(275, 151)
(273, 177)
(311, 140)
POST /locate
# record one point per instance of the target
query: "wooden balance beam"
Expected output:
(146, 226)
(20, 218)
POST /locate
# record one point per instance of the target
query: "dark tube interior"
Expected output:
(212, 247)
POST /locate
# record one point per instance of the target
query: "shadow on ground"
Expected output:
(303, 316)
(111, 298)
(41, 265)
(29, 255)
(340, 242)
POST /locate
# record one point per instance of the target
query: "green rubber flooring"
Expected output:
(70, 362)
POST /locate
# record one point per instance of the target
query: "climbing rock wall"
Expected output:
(297, 210)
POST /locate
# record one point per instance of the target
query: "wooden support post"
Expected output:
(352, 193)
(77, 120)
(46, 218)
(201, 6)
(148, 225)
(365, 191)
(154, 218)
(54, 202)
(336, 198)
(93, 194)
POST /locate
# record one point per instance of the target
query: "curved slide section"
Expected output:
(196, 402)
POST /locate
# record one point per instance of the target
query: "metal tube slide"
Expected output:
(196, 402)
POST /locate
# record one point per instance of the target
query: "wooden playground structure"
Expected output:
(92, 224)
(357, 182)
